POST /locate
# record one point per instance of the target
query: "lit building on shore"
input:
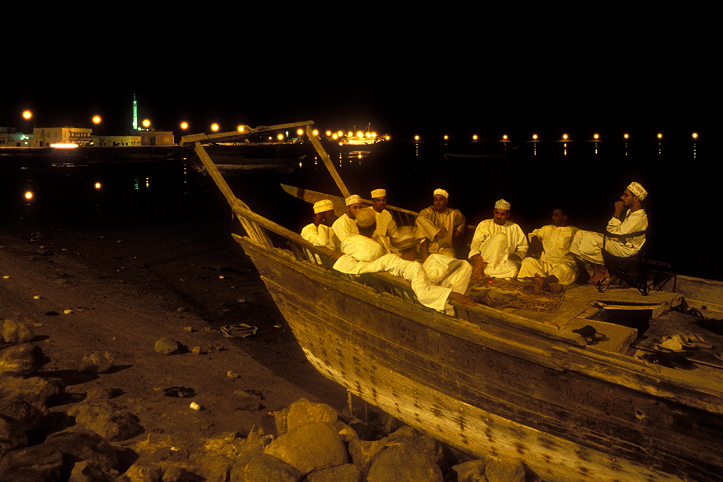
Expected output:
(117, 141)
(47, 136)
(10, 138)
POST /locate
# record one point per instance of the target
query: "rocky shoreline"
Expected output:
(49, 434)
(115, 366)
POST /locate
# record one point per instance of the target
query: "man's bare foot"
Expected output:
(601, 272)
(539, 284)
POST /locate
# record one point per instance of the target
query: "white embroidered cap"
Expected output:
(379, 193)
(441, 192)
(366, 217)
(502, 204)
(638, 190)
(323, 205)
(353, 199)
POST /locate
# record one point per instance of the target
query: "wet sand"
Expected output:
(119, 284)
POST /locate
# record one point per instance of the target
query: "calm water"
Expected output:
(585, 178)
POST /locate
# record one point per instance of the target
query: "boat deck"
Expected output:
(628, 323)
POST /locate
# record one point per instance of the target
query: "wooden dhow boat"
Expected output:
(511, 382)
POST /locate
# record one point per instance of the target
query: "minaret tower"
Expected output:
(135, 112)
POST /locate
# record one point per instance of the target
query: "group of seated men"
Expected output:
(368, 240)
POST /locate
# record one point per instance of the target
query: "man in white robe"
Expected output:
(451, 276)
(629, 217)
(441, 225)
(498, 245)
(360, 248)
(345, 225)
(386, 226)
(555, 267)
(319, 232)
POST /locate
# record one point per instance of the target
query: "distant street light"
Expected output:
(146, 123)
(27, 115)
(97, 119)
(215, 127)
(184, 125)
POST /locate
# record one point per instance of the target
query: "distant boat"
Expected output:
(358, 138)
(574, 396)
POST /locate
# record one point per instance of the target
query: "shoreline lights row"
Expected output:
(215, 127)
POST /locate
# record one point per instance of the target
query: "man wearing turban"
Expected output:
(441, 225)
(629, 217)
(386, 226)
(345, 225)
(498, 245)
(319, 232)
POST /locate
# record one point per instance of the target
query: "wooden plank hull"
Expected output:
(487, 387)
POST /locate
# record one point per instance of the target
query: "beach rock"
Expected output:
(310, 447)
(402, 463)
(106, 419)
(424, 445)
(302, 412)
(15, 332)
(22, 412)
(340, 473)
(470, 471)
(38, 391)
(84, 445)
(12, 436)
(144, 473)
(167, 346)
(25, 359)
(32, 464)
(504, 470)
(85, 472)
(362, 452)
(180, 474)
(97, 362)
(345, 431)
(265, 468)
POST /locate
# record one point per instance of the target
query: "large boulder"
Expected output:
(36, 390)
(303, 411)
(504, 470)
(12, 436)
(106, 419)
(32, 464)
(24, 359)
(340, 473)
(310, 447)
(15, 332)
(265, 468)
(400, 462)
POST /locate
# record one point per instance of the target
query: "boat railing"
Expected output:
(257, 226)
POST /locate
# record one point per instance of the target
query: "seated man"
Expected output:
(360, 247)
(441, 225)
(498, 245)
(451, 285)
(345, 225)
(319, 232)
(556, 267)
(386, 226)
(629, 217)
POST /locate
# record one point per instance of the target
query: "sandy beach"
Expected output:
(122, 284)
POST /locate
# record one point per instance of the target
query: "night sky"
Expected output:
(455, 71)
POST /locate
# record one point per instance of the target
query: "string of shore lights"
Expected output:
(369, 135)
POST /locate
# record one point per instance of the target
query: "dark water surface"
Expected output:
(585, 178)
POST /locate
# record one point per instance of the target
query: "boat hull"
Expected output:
(486, 388)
